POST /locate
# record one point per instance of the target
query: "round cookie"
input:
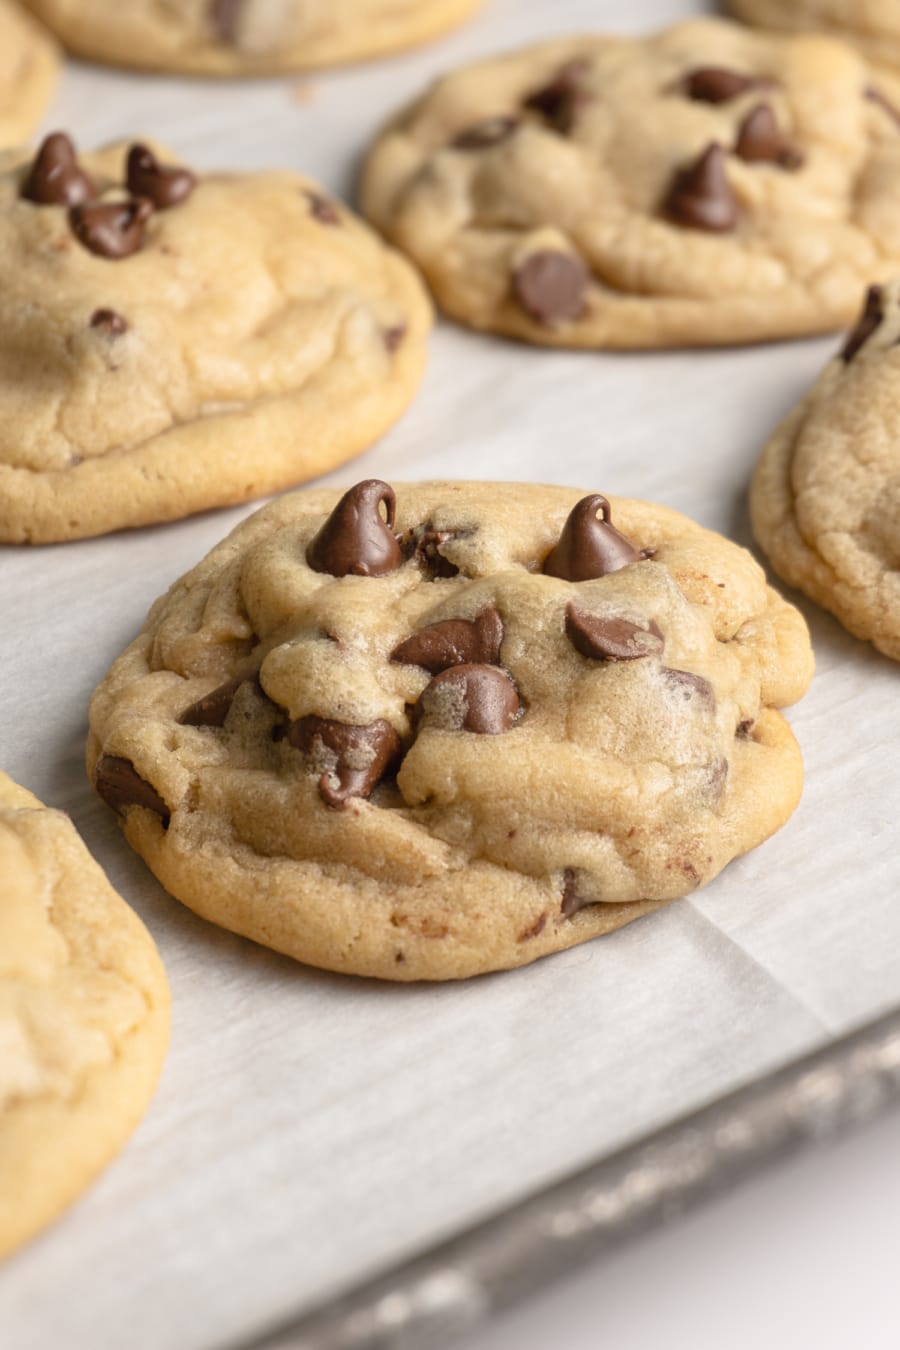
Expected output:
(705, 185)
(825, 499)
(28, 68)
(245, 37)
(84, 1016)
(448, 731)
(871, 25)
(177, 342)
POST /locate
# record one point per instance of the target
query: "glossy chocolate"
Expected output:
(477, 698)
(56, 178)
(701, 197)
(363, 754)
(355, 540)
(603, 637)
(120, 785)
(454, 642)
(112, 230)
(590, 545)
(761, 141)
(165, 185)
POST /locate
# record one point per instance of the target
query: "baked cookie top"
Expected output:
(28, 68)
(84, 1016)
(705, 185)
(825, 499)
(430, 733)
(233, 37)
(175, 341)
(871, 25)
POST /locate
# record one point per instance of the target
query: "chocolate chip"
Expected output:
(393, 337)
(56, 179)
(492, 131)
(120, 785)
(876, 96)
(224, 17)
(716, 84)
(363, 754)
(602, 637)
(761, 140)
(212, 709)
(165, 185)
(322, 210)
(111, 229)
(868, 323)
(691, 687)
(589, 547)
(477, 698)
(572, 902)
(701, 197)
(424, 544)
(559, 101)
(355, 540)
(109, 321)
(455, 642)
(533, 930)
(744, 728)
(552, 286)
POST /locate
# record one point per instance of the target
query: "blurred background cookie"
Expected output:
(29, 62)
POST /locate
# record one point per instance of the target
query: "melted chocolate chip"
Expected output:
(109, 321)
(716, 84)
(165, 185)
(572, 902)
(602, 637)
(589, 547)
(224, 17)
(393, 337)
(424, 544)
(363, 754)
(701, 197)
(355, 540)
(551, 286)
(761, 140)
(322, 210)
(455, 642)
(559, 101)
(120, 785)
(477, 698)
(212, 709)
(868, 323)
(111, 229)
(492, 131)
(56, 179)
(691, 687)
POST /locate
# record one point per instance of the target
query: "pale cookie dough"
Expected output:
(28, 68)
(205, 340)
(448, 733)
(245, 37)
(706, 185)
(871, 25)
(84, 1016)
(825, 499)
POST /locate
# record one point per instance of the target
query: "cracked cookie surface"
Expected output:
(871, 25)
(84, 1016)
(706, 185)
(175, 341)
(825, 499)
(434, 733)
(28, 68)
(234, 37)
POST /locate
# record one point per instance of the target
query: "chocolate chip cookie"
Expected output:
(825, 499)
(235, 37)
(706, 185)
(28, 68)
(445, 730)
(871, 25)
(84, 1016)
(176, 341)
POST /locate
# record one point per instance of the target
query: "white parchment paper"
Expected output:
(310, 1129)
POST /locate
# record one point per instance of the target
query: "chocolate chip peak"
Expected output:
(869, 322)
(603, 637)
(362, 754)
(558, 102)
(165, 185)
(701, 197)
(717, 84)
(551, 286)
(455, 642)
(355, 540)
(590, 545)
(56, 178)
(477, 698)
(761, 140)
(111, 229)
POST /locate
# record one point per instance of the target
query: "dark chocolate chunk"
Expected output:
(120, 785)
(701, 197)
(424, 544)
(492, 131)
(476, 698)
(355, 540)
(869, 322)
(224, 17)
(571, 900)
(559, 101)
(876, 96)
(56, 179)
(761, 140)
(590, 547)
(603, 638)
(322, 210)
(363, 754)
(716, 84)
(212, 709)
(165, 185)
(455, 642)
(111, 229)
(552, 286)
(691, 687)
(109, 321)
